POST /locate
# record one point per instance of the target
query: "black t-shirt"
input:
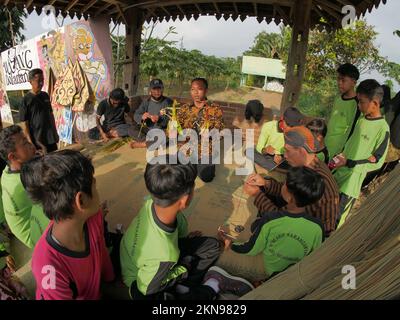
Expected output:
(36, 109)
(112, 116)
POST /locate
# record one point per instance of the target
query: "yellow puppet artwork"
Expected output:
(64, 88)
(53, 51)
(83, 45)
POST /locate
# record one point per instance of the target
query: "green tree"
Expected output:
(269, 45)
(11, 26)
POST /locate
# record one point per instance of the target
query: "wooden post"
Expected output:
(297, 54)
(134, 17)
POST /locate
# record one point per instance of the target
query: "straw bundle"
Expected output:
(369, 241)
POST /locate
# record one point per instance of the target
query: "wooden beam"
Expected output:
(166, 11)
(255, 9)
(88, 6)
(181, 10)
(71, 5)
(198, 8)
(297, 53)
(216, 7)
(132, 50)
(28, 4)
(6, 2)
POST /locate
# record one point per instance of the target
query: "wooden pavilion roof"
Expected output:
(268, 10)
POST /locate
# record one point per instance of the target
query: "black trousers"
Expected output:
(199, 254)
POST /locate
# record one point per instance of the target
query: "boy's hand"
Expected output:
(278, 158)
(256, 180)
(226, 241)
(251, 190)
(269, 150)
(340, 160)
(372, 159)
(104, 208)
(194, 234)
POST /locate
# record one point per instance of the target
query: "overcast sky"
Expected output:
(230, 39)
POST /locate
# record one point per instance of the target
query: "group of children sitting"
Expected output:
(51, 203)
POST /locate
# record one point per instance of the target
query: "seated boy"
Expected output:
(366, 149)
(269, 150)
(285, 237)
(158, 257)
(23, 218)
(70, 260)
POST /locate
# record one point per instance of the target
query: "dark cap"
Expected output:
(293, 117)
(301, 137)
(156, 83)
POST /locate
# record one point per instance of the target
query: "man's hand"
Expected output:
(154, 118)
(256, 180)
(195, 234)
(104, 208)
(250, 190)
(105, 137)
(145, 116)
(11, 263)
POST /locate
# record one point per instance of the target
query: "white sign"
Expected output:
(17, 62)
(5, 110)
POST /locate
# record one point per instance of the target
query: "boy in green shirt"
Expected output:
(285, 237)
(23, 218)
(158, 256)
(366, 149)
(345, 112)
(269, 149)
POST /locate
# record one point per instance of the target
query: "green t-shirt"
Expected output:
(283, 239)
(340, 124)
(149, 251)
(18, 207)
(2, 217)
(370, 137)
(270, 136)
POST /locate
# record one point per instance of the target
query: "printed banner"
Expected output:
(17, 62)
(5, 110)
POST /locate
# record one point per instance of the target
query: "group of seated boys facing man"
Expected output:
(50, 200)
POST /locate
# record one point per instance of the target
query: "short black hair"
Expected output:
(169, 182)
(372, 89)
(54, 180)
(204, 80)
(318, 127)
(34, 72)
(7, 141)
(306, 185)
(118, 94)
(349, 70)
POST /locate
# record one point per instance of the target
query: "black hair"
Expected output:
(205, 82)
(54, 180)
(255, 109)
(169, 182)
(33, 73)
(349, 70)
(372, 89)
(118, 94)
(318, 127)
(306, 185)
(7, 141)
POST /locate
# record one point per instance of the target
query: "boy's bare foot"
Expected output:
(137, 145)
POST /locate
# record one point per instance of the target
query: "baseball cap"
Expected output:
(301, 137)
(293, 117)
(156, 83)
